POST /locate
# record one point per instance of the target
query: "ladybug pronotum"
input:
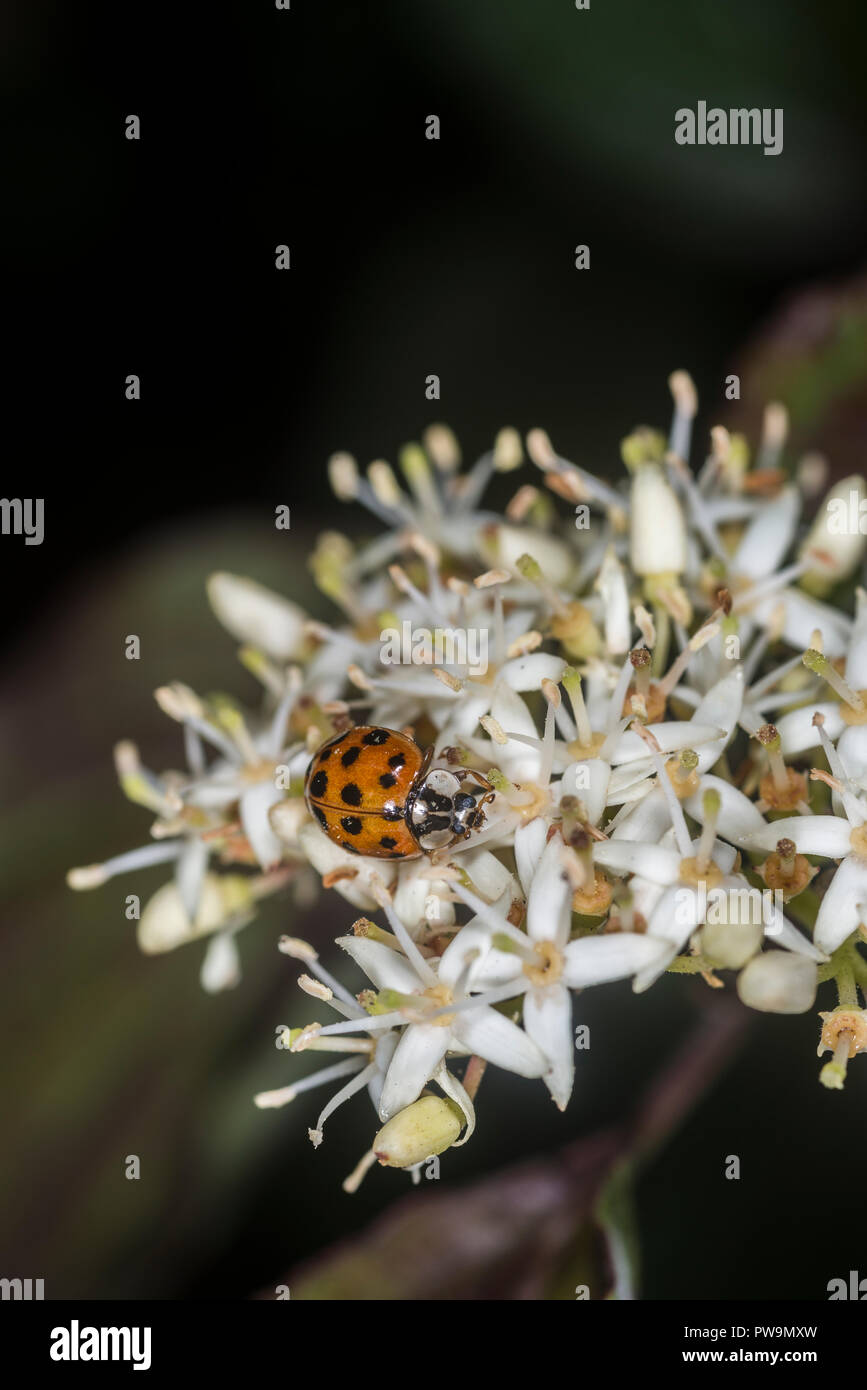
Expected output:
(373, 792)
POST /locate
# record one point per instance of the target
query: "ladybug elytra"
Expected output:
(373, 792)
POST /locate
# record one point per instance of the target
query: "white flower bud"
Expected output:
(778, 982)
(257, 616)
(835, 542)
(427, 1127)
(657, 534)
(508, 450)
(730, 944)
(165, 924)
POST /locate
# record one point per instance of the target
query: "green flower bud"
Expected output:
(427, 1127)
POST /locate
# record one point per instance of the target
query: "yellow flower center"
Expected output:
(548, 966)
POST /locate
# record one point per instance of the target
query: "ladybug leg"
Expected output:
(482, 781)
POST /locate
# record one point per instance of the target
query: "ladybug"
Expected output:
(374, 793)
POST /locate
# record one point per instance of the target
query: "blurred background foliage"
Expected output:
(408, 257)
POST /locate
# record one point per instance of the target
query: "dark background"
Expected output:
(409, 257)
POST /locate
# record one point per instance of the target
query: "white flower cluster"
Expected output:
(673, 719)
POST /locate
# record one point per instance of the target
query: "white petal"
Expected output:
(588, 781)
(676, 915)
(490, 967)
(419, 1052)
(737, 814)
(768, 536)
(519, 762)
(654, 862)
(382, 1059)
(190, 873)
(721, 706)
(828, 835)
(489, 877)
(383, 966)
(412, 897)
(255, 804)
(528, 672)
(722, 703)
(455, 1091)
(221, 968)
(611, 584)
(647, 821)
(498, 1040)
(595, 960)
(798, 732)
(554, 558)
(529, 844)
(856, 660)
(647, 977)
(548, 1021)
(785, 933)
(549, 904)
(844, 905)
(671, 737)
(852, 747)
(801, 614)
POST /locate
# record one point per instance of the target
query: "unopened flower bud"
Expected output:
(657, 535)
(778, 982)
(835, 543)
(257, 616)
(508, 450)
(425, 1128)
(732, 937)
(165, 924)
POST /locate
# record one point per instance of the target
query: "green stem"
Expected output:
(662, 623)
(846, 987)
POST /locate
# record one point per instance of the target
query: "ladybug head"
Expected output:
(445, 808)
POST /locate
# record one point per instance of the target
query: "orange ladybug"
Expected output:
(374, 792)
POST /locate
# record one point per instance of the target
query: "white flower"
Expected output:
(546, 964)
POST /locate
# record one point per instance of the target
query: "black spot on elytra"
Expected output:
(351, 824)
(349, 756)
(321, 816)
(376, 737)
(319, 784)
(388, 842)
(396, 761)
(387, 779)
(344, 844)
(351, 794)
(326, 754)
